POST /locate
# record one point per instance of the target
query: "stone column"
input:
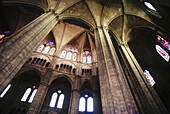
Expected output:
(75, 95)
(15, 51)
(115, 93)
(145, 95)
(37, 102)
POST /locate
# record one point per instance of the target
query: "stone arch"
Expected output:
(78, 18)
(62, 84)
(87, 83)
(27, 3)
(142, 42)
(19, 84)
(61, 76)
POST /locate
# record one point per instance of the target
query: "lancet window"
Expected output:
(57, 99)
(47, 48)
(69, 53)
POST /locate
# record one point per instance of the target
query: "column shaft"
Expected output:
(75, 95)
(117, 97)
(15, 51)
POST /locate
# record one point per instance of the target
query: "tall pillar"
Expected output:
(40, 95)
(145, 95)
(15, 51)
(75, 95)
(115, 93)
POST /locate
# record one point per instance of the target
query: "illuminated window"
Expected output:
(70, 48)
(86, 104)
(149, 77)
(63, 54)
(164, 42)
(40, 48)
(57, 97)
(50, 43)
(53, 100)
(88, 59)
(5, 90)
(68, 56)
(60, 101)
(45, 51)
(32, 96)
(82, 104)
(162, 52)
(90, 104)
(52, 51)
(84, 58)
(26, 94)
(74, 56)
(150, 6)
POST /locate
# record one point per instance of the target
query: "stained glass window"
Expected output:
(164, 42)
(53, 100)
(50, 43)
(40, 48)
(32, 96)
(6, 32)
(63, 54)
(87, 52)
(82, 104)
(70, 48)
(5, 91)
(45, 51)
(89, 59)
(74, 56)
(90, 104)
(149, 77)
(26, 94)
(52, 51)
(162, 52)
(60, 101)
(69, 54)
(84, 58)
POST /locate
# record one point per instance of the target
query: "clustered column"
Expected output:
(15, 50)
(115, 92)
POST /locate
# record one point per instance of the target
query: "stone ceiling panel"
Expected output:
(96, 9)
(80, 10)
(65, 4)
(111, 10)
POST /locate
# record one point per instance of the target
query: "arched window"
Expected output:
(74, 56)
(63, 54)
(90, 104)
(52, 51)
(84, 58)
(68, 56)
(57, 97)
(26, 94)
(60, 101)
(40, 48)
(32, 96)
(82, 104)
(46, 49)
(86, 104)
(5, 90)
(89, 59)
(53, 100)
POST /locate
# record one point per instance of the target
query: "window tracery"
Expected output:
(29, 94)
(86, 57)
(47, 48)
(86, 104)
(69, 53)
(57, 100)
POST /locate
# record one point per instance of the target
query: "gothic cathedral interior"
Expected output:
(84, 56)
